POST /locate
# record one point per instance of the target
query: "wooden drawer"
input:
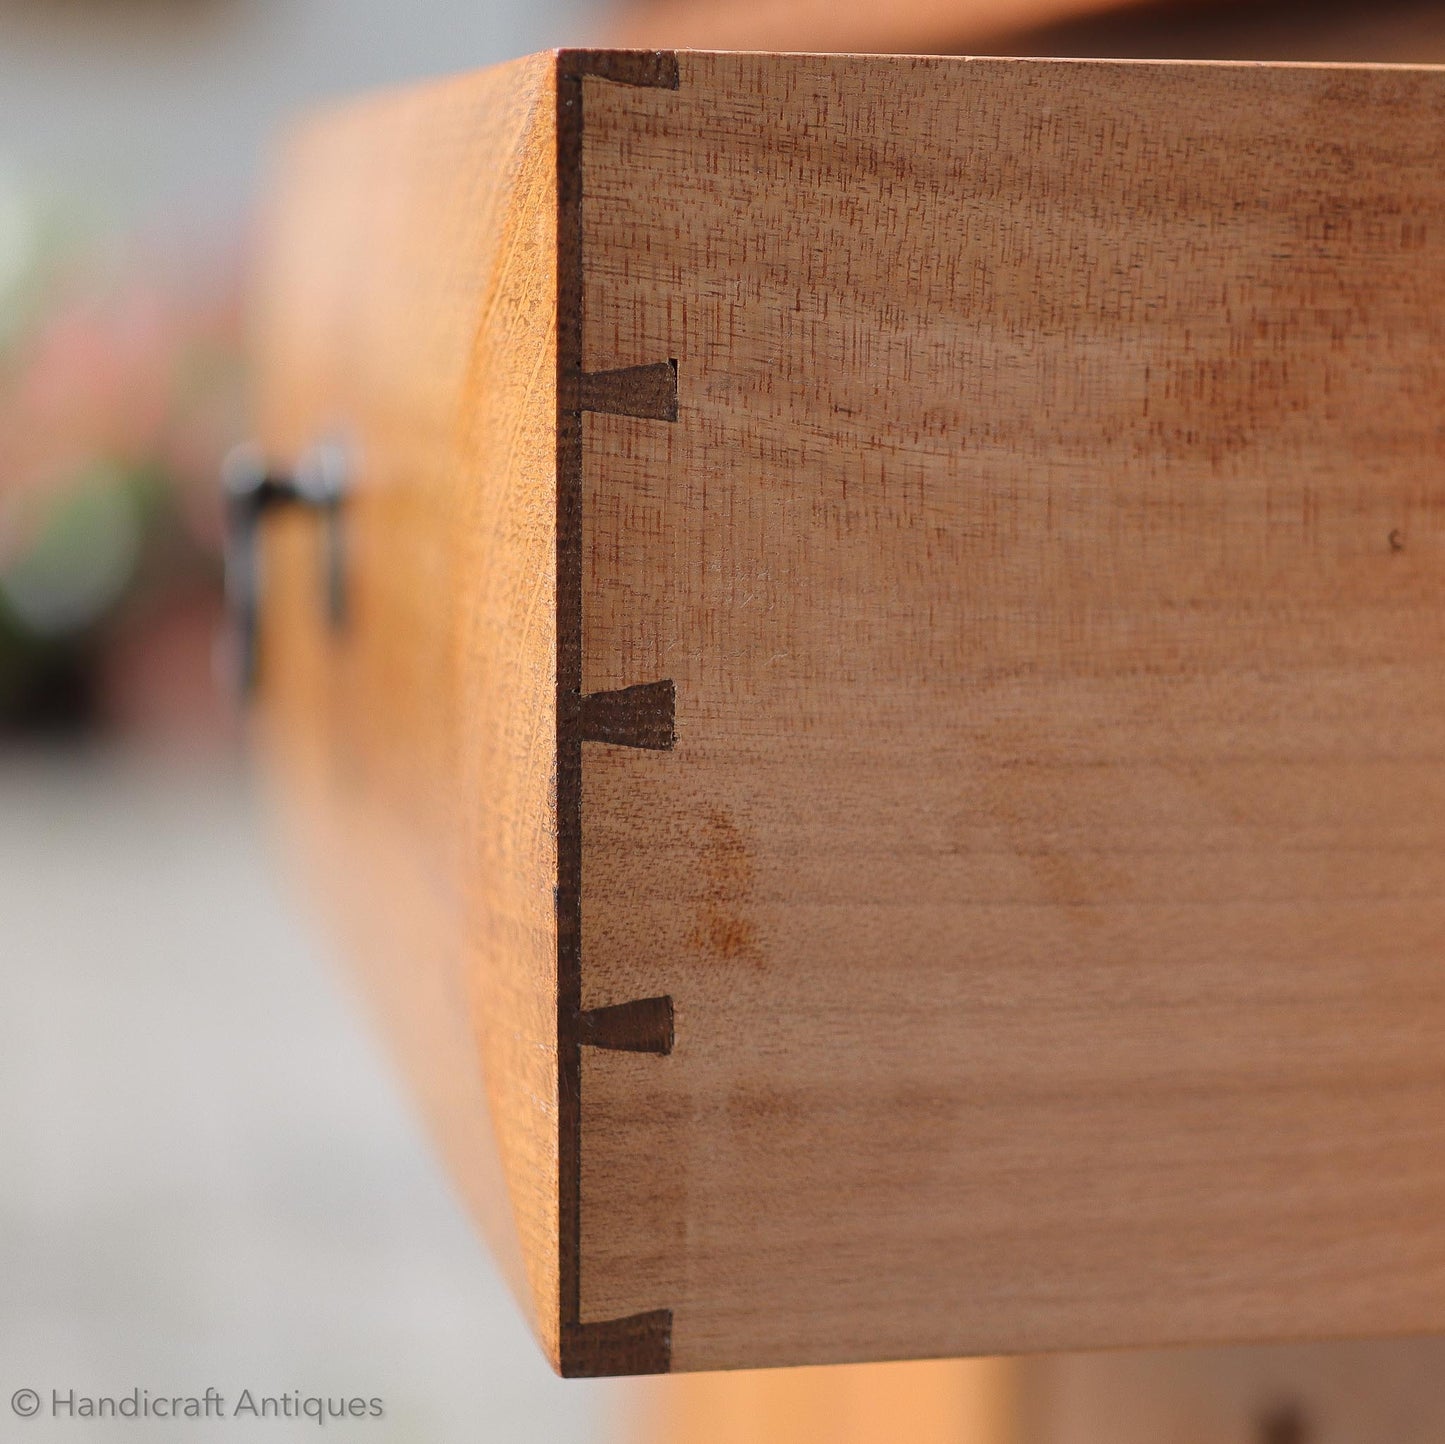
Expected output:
(884, 765)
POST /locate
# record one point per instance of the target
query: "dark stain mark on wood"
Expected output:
(638, 1344)
(641, 716)
(722, 928)
(646, 391)
(726, 937)
(644, 1025)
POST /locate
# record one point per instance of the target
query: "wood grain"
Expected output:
(1048, 873)
(408, 301)
(884, 767)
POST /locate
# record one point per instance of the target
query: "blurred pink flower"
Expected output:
(137, 375)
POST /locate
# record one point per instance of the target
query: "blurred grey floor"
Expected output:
(207, 1173)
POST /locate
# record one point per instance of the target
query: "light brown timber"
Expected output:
(980, 726)
(1049, 872)
(408, 306)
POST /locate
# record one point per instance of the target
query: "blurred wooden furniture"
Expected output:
(883, 765)
(1340, 31)
(1350, 31)
(1382, 1391)
(953, 1401)
(1371, 1392)
(838, 25)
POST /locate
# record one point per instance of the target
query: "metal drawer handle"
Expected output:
(253, 487)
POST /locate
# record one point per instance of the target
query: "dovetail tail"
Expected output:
(642, 1026)
(638, 1344)
(646, 391)
(652, 69)
(642, 716)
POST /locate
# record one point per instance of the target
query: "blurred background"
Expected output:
(208, 1175)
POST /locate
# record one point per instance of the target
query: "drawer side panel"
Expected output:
(1048, 876)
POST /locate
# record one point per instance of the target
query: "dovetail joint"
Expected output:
(642, 716)
(649, 392)
(648, 69)
(641, 1344)
(637, 1344)
(644, 1025)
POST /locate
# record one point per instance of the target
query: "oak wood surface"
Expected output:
(1047, 876)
